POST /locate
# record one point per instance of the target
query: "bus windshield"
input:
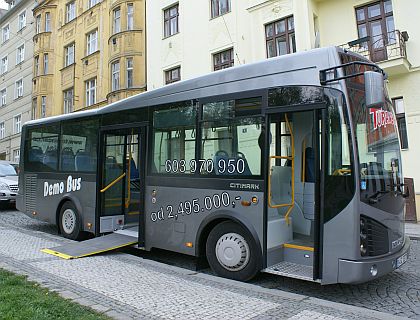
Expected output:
(378, 147)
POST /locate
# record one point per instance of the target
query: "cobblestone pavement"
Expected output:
(125, 286)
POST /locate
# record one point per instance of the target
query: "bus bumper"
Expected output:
(362, 271)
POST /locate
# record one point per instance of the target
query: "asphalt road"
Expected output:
(397, 293)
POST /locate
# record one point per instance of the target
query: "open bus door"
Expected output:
(294, 221)
(121, 187)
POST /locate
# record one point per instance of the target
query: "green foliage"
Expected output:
(21, 299)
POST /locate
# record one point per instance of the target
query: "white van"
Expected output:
(8, 182)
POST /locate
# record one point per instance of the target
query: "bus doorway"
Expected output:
(293, 194)
(121, 168)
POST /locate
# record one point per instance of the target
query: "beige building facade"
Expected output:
(191, 38)
(87, 53)
(16, 50)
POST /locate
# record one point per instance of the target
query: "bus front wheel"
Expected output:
(69, 221)
(231, 252)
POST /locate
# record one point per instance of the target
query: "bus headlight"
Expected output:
(4, 186)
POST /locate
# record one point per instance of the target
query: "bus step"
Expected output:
(298, 254)
(132, 232)
(293, 270)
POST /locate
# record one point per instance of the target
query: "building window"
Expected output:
(11, 4)
(16, 155)
(93, 3)
(223, 60)
(34, 108)
(130, 16)
(116, 22)
(70, 11)
(68, 101)
(376, 21)
(47, 22)
(280, 37)
(398, 104)
(219, 7)
(3, 97)
(171, 16)
(115, 76)
(19, 88)
(4, 65)
(130, 70)
(43, 106)
(5, 33)
(46, 63)
(2, 130)
(38, 24)
(90, 92)
(20, 54)
(92, 42)
(173, 75)
(69, 55)
(17, 124)
(22, 20)
(36, 66)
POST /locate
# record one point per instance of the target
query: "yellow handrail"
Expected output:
(292, 159)
(113, 182)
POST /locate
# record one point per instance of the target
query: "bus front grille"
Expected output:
(374, 237)
(30, 193)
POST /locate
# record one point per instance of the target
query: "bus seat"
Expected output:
(84, 161)
(50, 158)
(67, 159)
(219, 155)
(247, 170)
(134, 172)
(35, 154)
(309, 165)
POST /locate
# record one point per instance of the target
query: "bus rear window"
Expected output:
(41, 152)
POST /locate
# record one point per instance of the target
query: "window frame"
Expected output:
(43, 106)
(129, 73)
(130, 16)
(68, 100)
(22, 23)
(287, 34)
(46, 63)
(215, 14)
(167, 18)
(90, 91)
(5, 33)
(3, 97)
(70, 11)
(47, 21)
(38, 22)
(36, 66)
(92, 39)
(4, 66)
(2, 130)
(20, 54)
(18, 94)
(17, 125)
(34, 108)
(67, 55)
(168, 75)
(116, 20)
(115, 75)
(224, 65)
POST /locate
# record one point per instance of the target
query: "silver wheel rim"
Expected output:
(232, 252)
(69, 221)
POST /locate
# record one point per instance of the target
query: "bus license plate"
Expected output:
(401, 260)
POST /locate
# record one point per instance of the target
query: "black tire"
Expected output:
(248, 267)
(73, 229)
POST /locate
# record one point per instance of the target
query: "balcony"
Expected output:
(388, 50)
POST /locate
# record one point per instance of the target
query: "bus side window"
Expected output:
(174, 129)
(231, 137)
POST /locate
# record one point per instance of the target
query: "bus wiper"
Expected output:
(378, 195)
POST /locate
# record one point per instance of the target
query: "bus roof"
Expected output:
(267, 73)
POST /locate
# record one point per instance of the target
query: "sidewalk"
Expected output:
(412, 230)
(127, 287)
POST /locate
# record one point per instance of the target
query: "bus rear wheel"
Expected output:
(231, 252)
(69, 221)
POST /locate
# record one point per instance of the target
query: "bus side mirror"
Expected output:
(374, 89)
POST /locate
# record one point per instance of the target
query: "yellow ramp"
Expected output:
(92, 246)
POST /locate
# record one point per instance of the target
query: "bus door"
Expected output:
(121, 171)
(293, 226)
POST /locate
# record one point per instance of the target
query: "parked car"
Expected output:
(8, 182)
